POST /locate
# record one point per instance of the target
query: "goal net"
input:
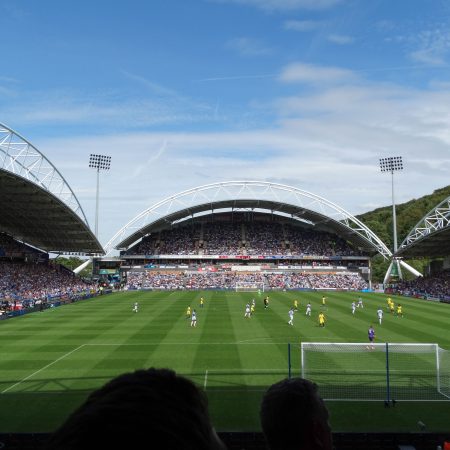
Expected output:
(249, 286)
(361, 371)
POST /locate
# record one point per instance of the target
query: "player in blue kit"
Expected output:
(371, 335)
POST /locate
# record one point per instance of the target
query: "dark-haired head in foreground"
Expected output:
(153, 408)
(294, 417)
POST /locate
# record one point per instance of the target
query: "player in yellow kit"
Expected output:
(392, 307)
(321, 319)
(389, 300)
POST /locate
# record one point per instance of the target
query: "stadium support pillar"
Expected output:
(399, 263)
(388, 273)
(78, 269)
(410, 269)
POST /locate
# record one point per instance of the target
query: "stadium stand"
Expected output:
(29, 280)
(152, 279)
(221, 251)
(435, 286)
(27, 283)
(242, 238)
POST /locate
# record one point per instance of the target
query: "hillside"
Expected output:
(408, 214)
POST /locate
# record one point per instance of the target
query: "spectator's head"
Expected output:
(153, 408)
(294, 417)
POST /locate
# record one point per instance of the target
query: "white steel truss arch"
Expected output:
(23, 159)
(434, 221)
(255, 190)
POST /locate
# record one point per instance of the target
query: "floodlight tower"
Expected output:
(99, 162)
(392, 164)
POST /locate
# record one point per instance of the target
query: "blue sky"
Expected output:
(181, 93)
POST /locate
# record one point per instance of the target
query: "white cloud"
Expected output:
(430, 46)
(286, 5)
(7, 92)
(427, 56)
(9, 80)
(248, 47)
(313, 74)
(340, 39)
(301, 25)
(109, 109)
(327, 143)
(153, 87)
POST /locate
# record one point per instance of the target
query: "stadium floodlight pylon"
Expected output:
(371, 372)
(99, 162)
(394, 164)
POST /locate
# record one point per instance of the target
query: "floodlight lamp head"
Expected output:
(100, 162)
(391, 164)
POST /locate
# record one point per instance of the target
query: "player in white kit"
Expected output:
(380, 315)
(194, 319)
(291, 317)
(308, 310)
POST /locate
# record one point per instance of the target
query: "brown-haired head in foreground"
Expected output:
(145, 409)
(294, 417)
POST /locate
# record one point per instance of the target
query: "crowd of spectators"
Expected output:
(265, 238)
(180, 241)
(304, 242)
(436, 286)
(229, 280)
(243, 238)
(26, 284)
(222, 238)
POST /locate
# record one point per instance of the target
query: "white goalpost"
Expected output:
(388, 371)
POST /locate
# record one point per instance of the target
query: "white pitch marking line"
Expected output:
(206, 380)
(43, 368)
(185, 343)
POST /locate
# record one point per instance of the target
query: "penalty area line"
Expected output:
(41, 369)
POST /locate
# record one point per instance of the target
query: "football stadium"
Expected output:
(235, 285)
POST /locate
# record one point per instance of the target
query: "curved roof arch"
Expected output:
(431, 235)
(38, 206)
(20, 157)
(247, 195)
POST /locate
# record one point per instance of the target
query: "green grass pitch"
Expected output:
(50, 361)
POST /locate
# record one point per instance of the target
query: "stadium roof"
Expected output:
(431, 235)
(257, 196)
(37, 205)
